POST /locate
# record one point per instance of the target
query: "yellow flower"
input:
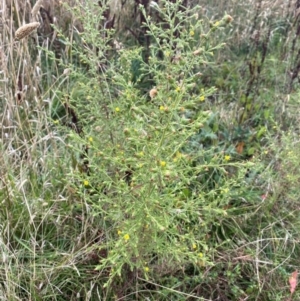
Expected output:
(194, 246)
(217, 23)
(227, 158)
(140, 154)
(163, 163)
(225, 190)
(192, 33)
(202, 98)
(200, 255)
(161, 108)
(119, 232)
(86, 183)
(146, 269)
(177, 89)
(91, 139)
(126, 237)
(117, 109)
(177, 156)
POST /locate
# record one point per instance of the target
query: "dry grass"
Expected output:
(26, 30)
(36, 8)
(26, 137)
(249, 15)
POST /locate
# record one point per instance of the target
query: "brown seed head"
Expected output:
(153, 92)
(25, 30)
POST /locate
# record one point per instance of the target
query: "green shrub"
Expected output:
(135, 174)
(158, 198)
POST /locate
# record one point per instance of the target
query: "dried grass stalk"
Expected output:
(36, 8)
(25, 30)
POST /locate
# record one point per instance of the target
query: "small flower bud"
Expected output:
(228, 19)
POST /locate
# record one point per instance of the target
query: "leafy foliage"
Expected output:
(157, 162)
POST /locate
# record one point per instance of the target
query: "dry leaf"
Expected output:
(293, 281)
(240, 147)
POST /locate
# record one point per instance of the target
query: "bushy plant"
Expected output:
(157, 197)
(149, 163)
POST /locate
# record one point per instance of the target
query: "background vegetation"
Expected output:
(149, 151)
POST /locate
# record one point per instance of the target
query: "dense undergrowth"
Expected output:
(157, 162)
